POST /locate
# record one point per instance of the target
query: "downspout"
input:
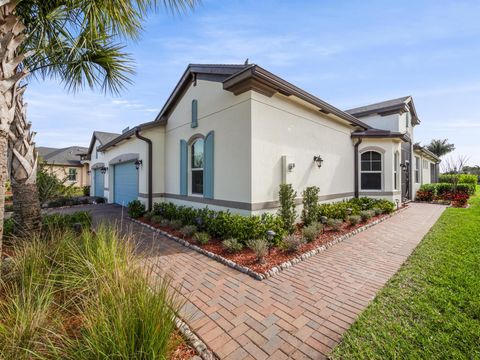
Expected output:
(150, 166)
(357, 144)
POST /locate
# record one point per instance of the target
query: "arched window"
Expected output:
(196, 166)
(371, 170)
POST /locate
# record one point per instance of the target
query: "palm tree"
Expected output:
(79, 42)
(440, 147)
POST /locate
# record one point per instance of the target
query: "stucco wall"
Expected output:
(390, 122)
(425, 176)
(282, 127)
(229, 116)
(61, 172)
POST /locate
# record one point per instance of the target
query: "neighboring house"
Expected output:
(65, 164)
(229, 135)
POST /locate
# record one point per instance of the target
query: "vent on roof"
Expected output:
(125, 130)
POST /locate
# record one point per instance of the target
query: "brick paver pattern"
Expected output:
(303, 311)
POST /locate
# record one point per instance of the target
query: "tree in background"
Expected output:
(79, 42)
(440, 147)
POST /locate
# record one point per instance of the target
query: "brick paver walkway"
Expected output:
(302, 312)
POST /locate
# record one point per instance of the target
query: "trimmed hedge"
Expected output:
(339, 210)
(223, 224)
(460, 178)
(439, 189)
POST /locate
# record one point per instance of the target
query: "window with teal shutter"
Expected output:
(208, 168)
(183, 167)
(194, 123)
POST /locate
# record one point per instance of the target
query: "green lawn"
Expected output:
(431, 308)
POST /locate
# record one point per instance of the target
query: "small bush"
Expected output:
(459, 200)
(377, 211)
(259, 247)
(287, 207)
(335, 224)
(148, 215)
(458, 178)
(232, 245)
(366, 215)
(175, 224)
(161, 221)
(86, 190)
(8, 227)
(135, 209)
(386, 206)
(292, 243)
(310, 205)
(312, 231)
(354, 220)
(201, 237)
(425, 195)
(188, 230)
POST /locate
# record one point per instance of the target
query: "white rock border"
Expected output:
(276, 269)
(200, 347)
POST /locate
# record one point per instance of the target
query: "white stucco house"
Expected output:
(229, 135)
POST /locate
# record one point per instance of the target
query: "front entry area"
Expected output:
(125, 183)
(98, 182)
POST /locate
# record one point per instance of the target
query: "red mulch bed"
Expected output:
(277, 256)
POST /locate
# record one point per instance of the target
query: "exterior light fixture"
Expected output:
(318, 160)
(138, 163)
(398, 203)
(270, 235)
(89, 172)
(323, 219)
(103, 170)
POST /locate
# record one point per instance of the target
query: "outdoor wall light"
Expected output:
(138, 163)
(103, 170)
(89, 172)
(318, 160)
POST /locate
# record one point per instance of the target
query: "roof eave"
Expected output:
(128, 134)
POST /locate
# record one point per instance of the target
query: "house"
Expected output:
(65, 164)
(229, 135)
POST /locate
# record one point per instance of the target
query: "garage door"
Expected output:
(125, 183)
(99, 182)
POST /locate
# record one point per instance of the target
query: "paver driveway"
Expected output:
(302, 312)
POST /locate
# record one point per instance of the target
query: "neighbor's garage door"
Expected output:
(125, 183)
(99, 182)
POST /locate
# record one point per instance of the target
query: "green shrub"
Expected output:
(175, 224)
(161, 221)
(310, 205)
(335, 224)
(386, 206)
(8, 227)
(232, 245)
(377, 211)
(442, 189)
(259, 247)
(148, 215)
(86, 190)
(366, 215)
(156, 219)
(62, 222)
(312, 231)
(458, 178)
(287, 209)
(188, 230)
(135, 209)
(292, 243)
(354, 219)
(201, 237)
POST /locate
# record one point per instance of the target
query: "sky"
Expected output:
(349, 53)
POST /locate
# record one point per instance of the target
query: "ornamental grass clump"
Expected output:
(81, 296)
(366, 215)
(232, 245)
(157, 219)
(201, 237)
(259, 247)
(188, 230)
(292, 243)
(312, 231)
(335, 224)
(377, 211)
(354, 220)
(176, 224)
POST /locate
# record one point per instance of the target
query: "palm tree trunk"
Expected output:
(11, 36)
(23, 172)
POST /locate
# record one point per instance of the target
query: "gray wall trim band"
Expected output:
(238, 204)
(379, 193)
(123, 158)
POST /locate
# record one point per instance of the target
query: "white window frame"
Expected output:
(371, 171)
(191, 170)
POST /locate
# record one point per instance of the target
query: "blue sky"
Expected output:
(348, 53)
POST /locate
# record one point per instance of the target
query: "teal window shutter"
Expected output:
(208, 169)
(183, 167)
(194, 123)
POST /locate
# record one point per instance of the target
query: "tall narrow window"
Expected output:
(407, 119)
(371, 171)
(417, 169)
(194, 122)
(197, 166)
(395, 171)
(72, 174)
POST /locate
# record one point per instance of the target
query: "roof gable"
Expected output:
(64, 156)
(102, 137)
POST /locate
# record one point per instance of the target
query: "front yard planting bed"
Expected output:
(430, 309)
(277, 258)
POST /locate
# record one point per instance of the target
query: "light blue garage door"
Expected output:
(99, 182)
(125, 183)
